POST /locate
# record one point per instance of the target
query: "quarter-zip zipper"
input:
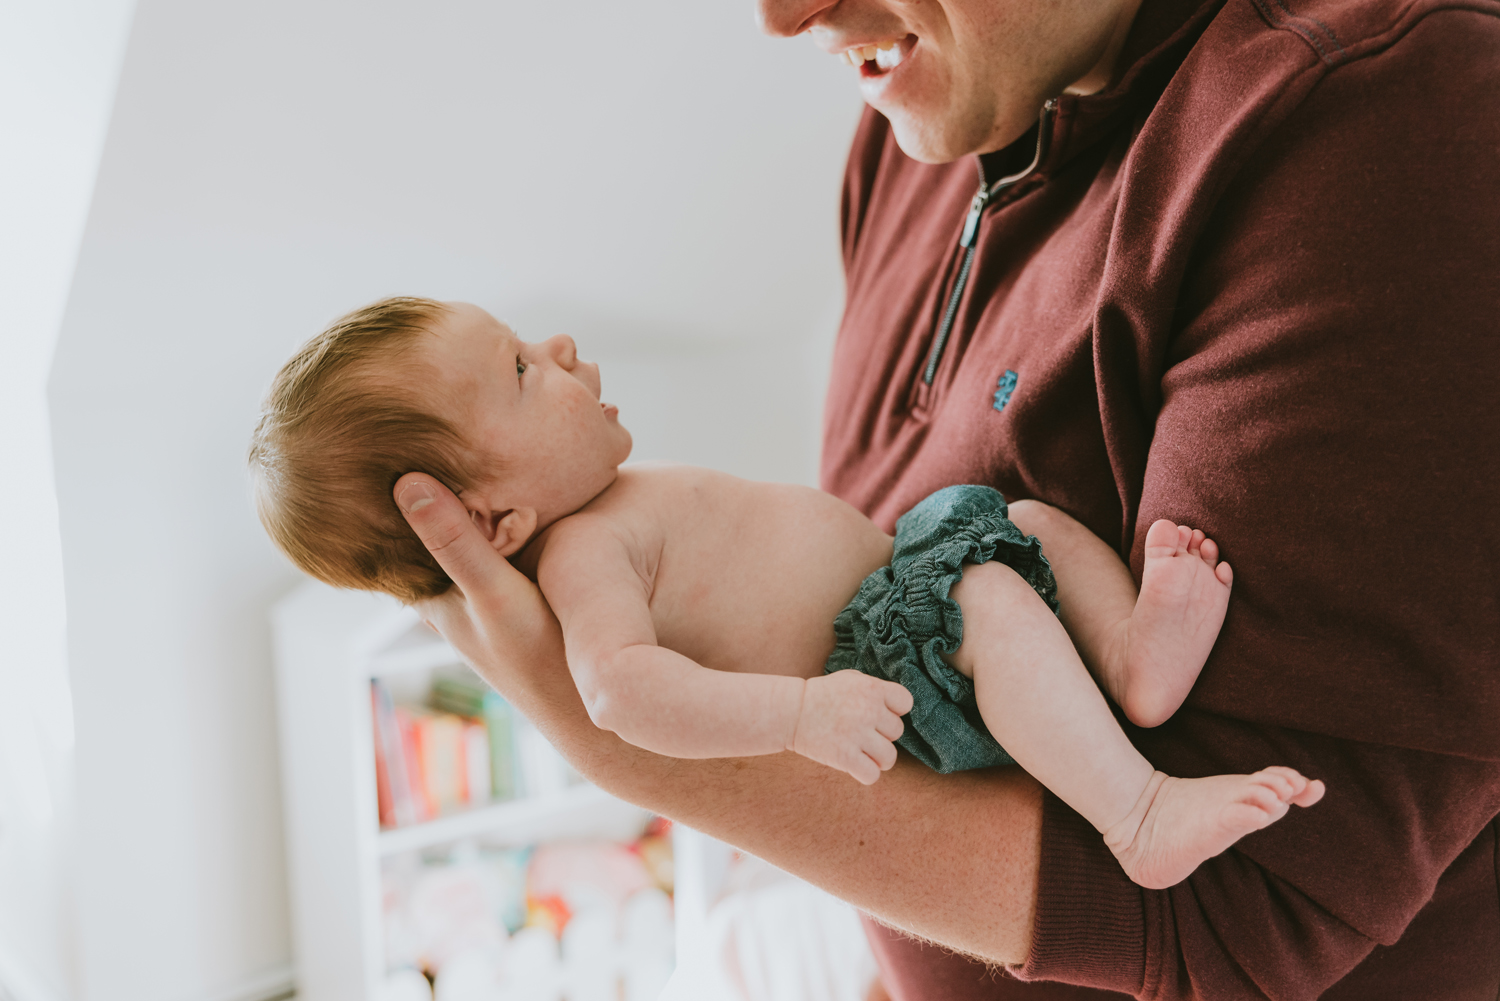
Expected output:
(968, 239)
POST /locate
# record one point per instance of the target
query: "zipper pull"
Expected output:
(976, 209)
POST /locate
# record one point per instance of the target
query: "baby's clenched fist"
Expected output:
(849, 720)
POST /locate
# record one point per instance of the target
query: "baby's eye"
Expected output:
(520, 367)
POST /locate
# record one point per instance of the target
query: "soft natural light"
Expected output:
(58, 64)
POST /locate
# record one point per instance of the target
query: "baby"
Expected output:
(696, 606)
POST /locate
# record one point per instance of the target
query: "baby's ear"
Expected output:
(512, 530)
(507, 529)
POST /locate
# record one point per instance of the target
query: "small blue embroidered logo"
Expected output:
(1007, 386)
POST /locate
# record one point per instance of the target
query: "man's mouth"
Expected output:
(879, 58)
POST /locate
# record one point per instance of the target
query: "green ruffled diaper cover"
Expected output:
(902, 622)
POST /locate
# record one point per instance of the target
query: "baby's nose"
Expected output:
(564, 350)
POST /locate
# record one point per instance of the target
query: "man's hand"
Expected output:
(849, 720)
(493, 615)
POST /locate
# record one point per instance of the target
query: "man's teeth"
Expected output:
(887, 55)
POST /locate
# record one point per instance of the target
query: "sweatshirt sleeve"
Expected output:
(1329, 414)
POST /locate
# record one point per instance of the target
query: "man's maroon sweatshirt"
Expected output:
(1253, 287)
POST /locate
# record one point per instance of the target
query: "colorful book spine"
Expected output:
(465, 695)
(460, 750)
(425, 805)
(476, 738)
(499, 726)
(382, 770)
(441, 744)
(393, 787)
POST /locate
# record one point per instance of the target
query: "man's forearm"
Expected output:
(951, 858)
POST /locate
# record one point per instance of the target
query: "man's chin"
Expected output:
(928, 139)
(925, 142)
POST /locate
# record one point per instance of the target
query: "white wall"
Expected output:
(58, 66)
(654, 178)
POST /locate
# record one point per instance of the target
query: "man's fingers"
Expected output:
(442, 523)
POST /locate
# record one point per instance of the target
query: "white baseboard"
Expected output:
(17, 983)
(273, 985)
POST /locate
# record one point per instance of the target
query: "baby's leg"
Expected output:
(1145, 650)
(1039, 702)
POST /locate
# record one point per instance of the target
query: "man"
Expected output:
(1235, 263)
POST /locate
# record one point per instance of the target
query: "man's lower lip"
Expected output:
(877, 83)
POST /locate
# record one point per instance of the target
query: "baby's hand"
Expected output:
(848, 722)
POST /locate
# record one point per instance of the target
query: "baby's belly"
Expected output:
(761, 594)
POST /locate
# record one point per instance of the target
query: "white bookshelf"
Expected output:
(329, 644)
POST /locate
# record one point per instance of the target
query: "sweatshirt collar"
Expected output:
(1159, 40)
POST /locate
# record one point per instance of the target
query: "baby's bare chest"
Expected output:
(750, 576)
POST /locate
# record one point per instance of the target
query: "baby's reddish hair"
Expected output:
(339, 427)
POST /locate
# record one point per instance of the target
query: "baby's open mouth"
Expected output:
(880, 58)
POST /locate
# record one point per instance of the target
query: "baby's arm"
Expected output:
(662, 701)
(1145, 649)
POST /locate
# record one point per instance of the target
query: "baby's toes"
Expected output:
(1287, 781)
(1278, 781)
(1310, 795)
(1195, 542)
(1247, 817)
(1161, 538)
(1209, 550)
(1265, 799)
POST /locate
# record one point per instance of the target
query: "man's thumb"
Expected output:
(413, 493)
(442, 523)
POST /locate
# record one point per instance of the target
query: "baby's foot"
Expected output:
(1184, 592)
(1179, 823)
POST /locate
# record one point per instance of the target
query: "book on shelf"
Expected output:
(464, 694)
(398, 807)
(460, 746)
(456, 751)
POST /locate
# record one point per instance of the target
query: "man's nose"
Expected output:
(786, 18)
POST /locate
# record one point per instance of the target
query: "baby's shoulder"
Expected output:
(580, 548)
(620, 523)
(587, 530)
(647, 503)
